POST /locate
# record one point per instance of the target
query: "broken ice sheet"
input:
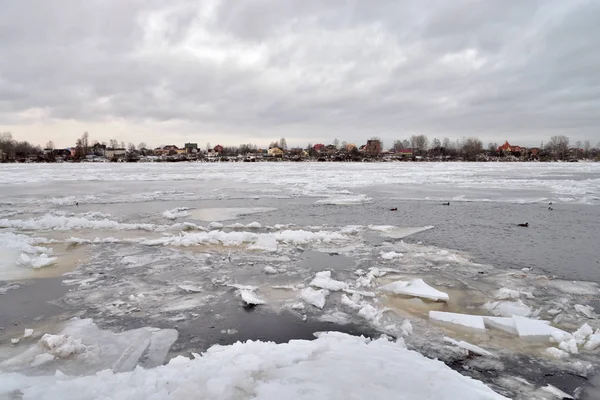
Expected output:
(415, 288)
(82, 348)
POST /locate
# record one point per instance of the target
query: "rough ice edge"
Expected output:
(294, 370)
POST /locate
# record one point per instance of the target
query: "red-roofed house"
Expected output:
(508, 148)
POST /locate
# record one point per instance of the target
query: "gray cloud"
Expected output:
(232, 71)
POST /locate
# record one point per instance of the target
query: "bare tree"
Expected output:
(436, 144)
(142, 146)
(406, 144)
(283, 144)
(122, 145)
(131, 147)
(446, 143)
(336, 143)
(492, 147)
(50, 145)
(85, 142)
(559, 146)
(398, 145)
(471, 148)
(113, 143)
(586, 148)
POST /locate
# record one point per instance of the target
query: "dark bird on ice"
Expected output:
(525, 225)
(446, 203)
(394, 209)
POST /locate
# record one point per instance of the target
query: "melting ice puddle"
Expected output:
(224, 214)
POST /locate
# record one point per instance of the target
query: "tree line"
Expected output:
(470, 148)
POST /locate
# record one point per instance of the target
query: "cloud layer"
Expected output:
(237, 71)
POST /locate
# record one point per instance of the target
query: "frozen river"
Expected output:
(184, 248)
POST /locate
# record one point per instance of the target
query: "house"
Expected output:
(350, 147)
(508, 148)
(115, 153)
(99, 149)
(405, 153)
(318, 147)
(218, 149)
(330, 149)
(191, 148)
(275, 152)
(373, 147)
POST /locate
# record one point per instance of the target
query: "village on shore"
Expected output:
(418, 148)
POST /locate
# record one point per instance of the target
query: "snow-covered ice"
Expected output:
(323, 280)
(535, 329)
(465, 320)
(469, 347)
(315, 297)
(250, 298)
(416, 288)
(295, 370)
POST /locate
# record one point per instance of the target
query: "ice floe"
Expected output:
(465, 320)
(175, 213)
(415, 288)
(323, 280)
(226, 213)
(314, 297)
(293, 370)
(469, 347)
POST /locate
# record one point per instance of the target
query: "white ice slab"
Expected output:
(593, 342)
(466, 320)
(506, 324)
(415, 288)
(224, 214)
(402, 232)
(470, 347)
(323, 280)
(315, 297)
(535, 329)
(250, 298)
(508, 308)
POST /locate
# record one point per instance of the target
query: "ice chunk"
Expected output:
(557, 392)
(569, 346)
(506, 293)
(250, 298)
(505, 324)
(323, 280)
(27, 333)
(176, 213)
(593, 342)
(61, 345)
(42, 359)
(190, 288)
(470, 347)
(15, 340)
(336, 317)
(583, 333)
(556, 353)
(508, 308)
(391, 255)
(350, 303)
(535, 329)
(466, 320)
(300, 369)
(36, 262)
(215, 225)
(269, 270)
(298, 306)
(588, 311)
(406, 328)
(400, 233)
(315, 297)
(415, 288)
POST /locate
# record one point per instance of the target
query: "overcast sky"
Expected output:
(235, 71)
